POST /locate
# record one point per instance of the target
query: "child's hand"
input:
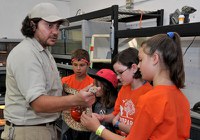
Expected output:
(98, 116)
(88, 111)
(91, 123)
(115, 119)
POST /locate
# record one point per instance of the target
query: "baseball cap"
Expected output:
(106, 75)
(48, 12)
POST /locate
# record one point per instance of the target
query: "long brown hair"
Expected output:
(169, 47)
(109, 94)
(28, 28)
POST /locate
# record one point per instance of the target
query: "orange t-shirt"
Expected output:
(161, 114)
(127, 100)
(75, 84)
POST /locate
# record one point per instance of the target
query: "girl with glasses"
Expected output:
(133, 86)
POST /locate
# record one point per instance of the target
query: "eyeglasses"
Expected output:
(120, 73)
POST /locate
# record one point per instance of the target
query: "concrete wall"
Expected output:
(192, 69)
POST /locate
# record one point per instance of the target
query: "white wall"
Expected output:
(192, 69)
(13, 12)
(92, 5)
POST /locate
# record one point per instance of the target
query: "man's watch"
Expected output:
(116, 126)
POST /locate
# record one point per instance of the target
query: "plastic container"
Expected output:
(181, 19)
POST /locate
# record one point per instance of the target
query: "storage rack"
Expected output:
(114, 15)
(184, 30)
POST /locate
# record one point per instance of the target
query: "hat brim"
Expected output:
(64, 21)
(101, 79)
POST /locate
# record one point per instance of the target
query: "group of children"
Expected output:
(139, 110)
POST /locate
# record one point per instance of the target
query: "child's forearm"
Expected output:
(108, 117)
(108, 135)
(125, 128)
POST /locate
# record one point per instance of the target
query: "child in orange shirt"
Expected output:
(133, 86)
(72, 84)
(164, 112)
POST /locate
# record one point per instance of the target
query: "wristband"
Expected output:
(100, 130)
(117, 125)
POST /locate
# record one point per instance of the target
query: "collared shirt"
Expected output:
(30, 72)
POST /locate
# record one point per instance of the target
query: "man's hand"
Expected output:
(100, 117)
(86, 98)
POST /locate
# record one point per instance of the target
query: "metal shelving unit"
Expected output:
(114, 15)
(184, 30)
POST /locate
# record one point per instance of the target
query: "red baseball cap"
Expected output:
(107, 75)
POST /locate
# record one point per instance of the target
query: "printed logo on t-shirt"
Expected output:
(127, 111)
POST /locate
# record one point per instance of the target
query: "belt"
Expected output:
(43, 124)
